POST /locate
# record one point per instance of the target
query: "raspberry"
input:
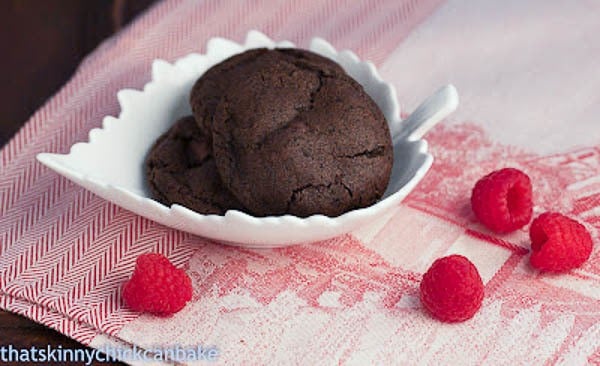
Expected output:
(451, 289)
(157, 286)
(502, 200)
(558, 243)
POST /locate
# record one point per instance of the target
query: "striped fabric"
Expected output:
(64, 253)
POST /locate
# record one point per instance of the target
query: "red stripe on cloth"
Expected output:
(497, 241)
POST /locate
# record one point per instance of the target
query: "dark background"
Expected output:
(41, 44)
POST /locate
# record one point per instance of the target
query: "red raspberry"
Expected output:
(502, 200)
(157, 286)
(558, 243)
(452, 289)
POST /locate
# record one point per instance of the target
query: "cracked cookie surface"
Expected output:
(214, 83)
(297, 135)
(209, 88)
(180, 168)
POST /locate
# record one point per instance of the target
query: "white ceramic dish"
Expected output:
(111, 163)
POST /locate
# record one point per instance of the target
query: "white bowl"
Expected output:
(111, 163)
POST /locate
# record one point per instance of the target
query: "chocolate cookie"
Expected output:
(300, 137)
(208, 89)
(180, 169)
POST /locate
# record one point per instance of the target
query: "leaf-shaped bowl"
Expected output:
(111, 163)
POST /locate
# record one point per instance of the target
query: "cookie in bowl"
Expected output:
(293, 133)
(298, 138)
(180, 169)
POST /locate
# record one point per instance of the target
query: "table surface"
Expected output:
(42, 43)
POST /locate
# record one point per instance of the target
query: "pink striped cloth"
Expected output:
(528, 76)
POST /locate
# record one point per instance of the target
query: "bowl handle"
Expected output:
(434, 109)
